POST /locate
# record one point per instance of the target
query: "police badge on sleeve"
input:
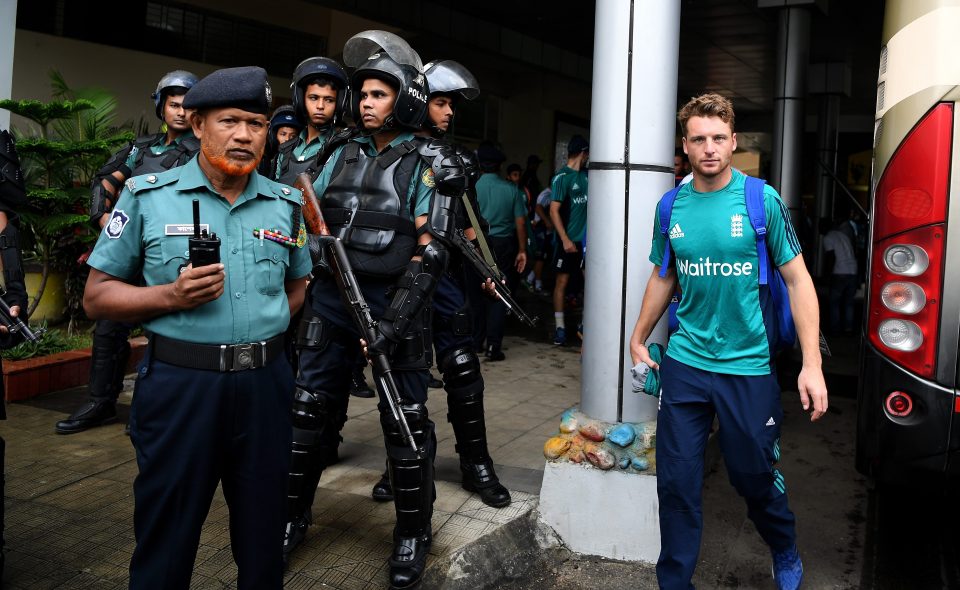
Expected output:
(118, 221)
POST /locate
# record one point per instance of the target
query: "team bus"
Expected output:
(908, 421)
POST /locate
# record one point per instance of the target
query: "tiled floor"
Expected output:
(69, 499)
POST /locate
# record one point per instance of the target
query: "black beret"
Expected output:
(242, 88)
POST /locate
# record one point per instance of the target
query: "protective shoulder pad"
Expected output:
(429, 147)
(148, 182)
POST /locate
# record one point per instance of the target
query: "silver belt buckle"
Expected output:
(243, 357)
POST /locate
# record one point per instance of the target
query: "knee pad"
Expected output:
(421, 427)
(461, 372)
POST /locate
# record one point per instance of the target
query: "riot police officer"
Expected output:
(12, 195)
(319, 96)
(149, 154)
(284, 126)
(450, 82)
(214, 389)
(381, 195)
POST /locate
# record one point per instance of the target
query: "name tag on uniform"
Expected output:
(185, 229)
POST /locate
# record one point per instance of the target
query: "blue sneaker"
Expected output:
(560, 337)
(787, 569)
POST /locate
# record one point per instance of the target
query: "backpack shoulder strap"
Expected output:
(664, 210)
(753, 193)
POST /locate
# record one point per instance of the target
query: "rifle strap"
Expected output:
(481, 239)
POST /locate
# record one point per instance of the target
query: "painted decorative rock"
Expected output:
(593, 431)
(623, 435)
(555, 447)
(624, 463)
(600, 457)
(568, 422)
(640, 463)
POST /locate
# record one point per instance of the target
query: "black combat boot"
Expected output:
(382, 490)
(476, 466)
(412, 478)
(358, 384)
(108, 364)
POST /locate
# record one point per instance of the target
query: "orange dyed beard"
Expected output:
(227, 165)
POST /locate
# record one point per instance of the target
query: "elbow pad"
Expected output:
(413, 291)
(100, 196)
(442, 220)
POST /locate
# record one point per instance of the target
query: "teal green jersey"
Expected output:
(569, 188)
(501, 203)
(157, 147)
(715, 254)
(304, 150)
(148, 232)
(421, 181)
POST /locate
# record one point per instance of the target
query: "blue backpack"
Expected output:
(785, 334)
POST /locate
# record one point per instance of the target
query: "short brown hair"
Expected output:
(706, 105)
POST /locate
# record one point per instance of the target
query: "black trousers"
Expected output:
(193, 429)
(492, 315)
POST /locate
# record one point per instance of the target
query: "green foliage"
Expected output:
(71, 137)
(51, 342)
(42, 113)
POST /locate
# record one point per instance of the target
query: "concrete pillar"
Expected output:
(793, 48)
(633, 124)
(595, 509)
(8, 30)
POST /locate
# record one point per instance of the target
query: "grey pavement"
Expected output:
(69, 499)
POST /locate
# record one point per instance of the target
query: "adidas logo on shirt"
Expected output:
(771, 422)
(676, 232)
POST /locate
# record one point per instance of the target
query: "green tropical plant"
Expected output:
(69, 139)
(52, 342)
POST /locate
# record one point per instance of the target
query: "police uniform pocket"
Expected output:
(270, 268)
(176, 256)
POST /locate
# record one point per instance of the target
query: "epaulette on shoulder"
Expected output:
(146, 182)
(284, 191)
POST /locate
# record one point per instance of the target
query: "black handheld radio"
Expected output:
(204, 246)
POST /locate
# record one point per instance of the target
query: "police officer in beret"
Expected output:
(214, 389)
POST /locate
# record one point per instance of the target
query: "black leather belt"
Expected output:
(216, 357)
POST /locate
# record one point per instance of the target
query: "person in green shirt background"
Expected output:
(504, 205)
(568, 212)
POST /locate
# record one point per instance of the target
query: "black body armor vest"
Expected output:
(368, 204)
(147, 162)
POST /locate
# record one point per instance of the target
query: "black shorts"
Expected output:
(568, 262)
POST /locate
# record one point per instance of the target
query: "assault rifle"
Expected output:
(15, 325)
(471, 255)
(350, 291)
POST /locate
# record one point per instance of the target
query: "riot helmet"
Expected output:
(307, 73)
(177, 79)
(445, 76)
(392, 60)
(283, 116)
(448, 78)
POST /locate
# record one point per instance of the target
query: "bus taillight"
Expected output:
(906, 270)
